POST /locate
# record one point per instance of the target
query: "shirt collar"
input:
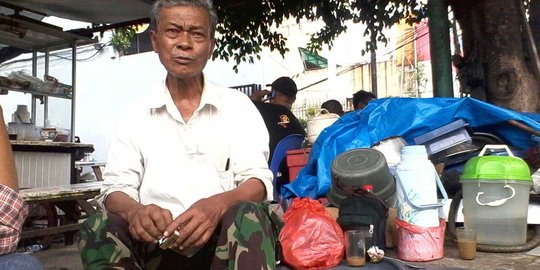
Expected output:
(161, 96)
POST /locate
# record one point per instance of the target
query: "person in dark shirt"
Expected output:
(277, 114)
(361, 99)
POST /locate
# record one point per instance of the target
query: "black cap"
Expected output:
(284, 85)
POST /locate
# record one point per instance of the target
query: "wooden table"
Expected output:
(96, 167)
(72, 200)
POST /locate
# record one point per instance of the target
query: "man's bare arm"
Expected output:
(8, 172)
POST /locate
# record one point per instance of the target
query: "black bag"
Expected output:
(364, 210)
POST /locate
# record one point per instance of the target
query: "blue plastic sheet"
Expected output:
(405, 117)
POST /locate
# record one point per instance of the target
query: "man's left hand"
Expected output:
(197, 224)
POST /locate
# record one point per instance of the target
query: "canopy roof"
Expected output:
(93, 11)
(21, 26)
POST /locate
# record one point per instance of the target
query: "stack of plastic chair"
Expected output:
(291, 142)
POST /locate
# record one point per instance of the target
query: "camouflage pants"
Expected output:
(245, 239)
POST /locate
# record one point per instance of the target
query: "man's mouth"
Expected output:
(183, 59)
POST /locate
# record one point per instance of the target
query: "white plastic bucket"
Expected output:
(496, 197)
(417, 183)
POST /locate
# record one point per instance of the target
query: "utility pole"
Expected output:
(439, 39)
(373, 65)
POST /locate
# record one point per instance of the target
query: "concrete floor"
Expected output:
(60, 257)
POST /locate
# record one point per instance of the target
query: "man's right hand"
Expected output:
(148, 222)
(259, 95)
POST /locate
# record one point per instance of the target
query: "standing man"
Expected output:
(13, 210)
(277, 114)
(188, 162)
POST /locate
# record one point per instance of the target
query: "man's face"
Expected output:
(279, 99)
(183, 40)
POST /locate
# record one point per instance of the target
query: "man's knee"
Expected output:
(102, 239)
(248, 219)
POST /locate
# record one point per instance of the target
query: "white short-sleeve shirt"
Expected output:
(157, 158)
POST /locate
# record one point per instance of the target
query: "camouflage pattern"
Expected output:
(245, 239)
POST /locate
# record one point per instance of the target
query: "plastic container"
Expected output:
(357, 167)
(296, 160)
(417, 188)
(496, 197)
(318, 123)
(444, 137)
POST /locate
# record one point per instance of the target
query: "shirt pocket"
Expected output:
(226, 179)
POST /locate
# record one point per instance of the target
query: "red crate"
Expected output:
(296, 160)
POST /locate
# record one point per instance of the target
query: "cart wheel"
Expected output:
(40, 215)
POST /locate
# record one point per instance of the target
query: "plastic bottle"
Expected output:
(368, 188)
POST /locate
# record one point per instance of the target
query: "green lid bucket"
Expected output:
(496, 168)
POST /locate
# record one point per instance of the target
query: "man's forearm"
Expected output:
(8, 172)
(251, 190)
(121, 204)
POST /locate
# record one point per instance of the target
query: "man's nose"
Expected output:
(184, 41)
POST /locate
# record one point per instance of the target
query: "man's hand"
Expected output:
(197, 224)
(259, 95)
(148, 222)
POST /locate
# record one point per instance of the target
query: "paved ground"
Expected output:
(60, 257)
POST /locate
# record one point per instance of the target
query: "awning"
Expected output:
(92, 11)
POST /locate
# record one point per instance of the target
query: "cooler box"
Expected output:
(296, 160)
(496, 197)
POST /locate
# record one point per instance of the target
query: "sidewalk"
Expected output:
(60, 257)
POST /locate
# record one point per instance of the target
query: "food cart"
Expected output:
(21, 27)
(47, 169)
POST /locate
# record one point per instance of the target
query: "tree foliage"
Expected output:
(248, 25)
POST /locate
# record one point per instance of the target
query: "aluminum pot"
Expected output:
(391, 149)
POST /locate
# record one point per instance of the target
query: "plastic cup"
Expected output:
(355, 248)
(466, 240)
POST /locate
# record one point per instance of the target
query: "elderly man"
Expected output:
(187, 163)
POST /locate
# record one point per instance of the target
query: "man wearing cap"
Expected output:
(277, 114)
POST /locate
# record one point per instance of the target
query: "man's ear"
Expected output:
(153, 39)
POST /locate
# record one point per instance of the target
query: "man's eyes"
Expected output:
(174, 32)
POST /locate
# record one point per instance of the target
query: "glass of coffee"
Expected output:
(466, 240)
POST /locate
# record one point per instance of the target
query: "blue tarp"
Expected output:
(405, 117)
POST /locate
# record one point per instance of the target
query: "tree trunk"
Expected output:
(495, 66)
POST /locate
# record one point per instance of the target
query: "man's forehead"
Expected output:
(195, 16)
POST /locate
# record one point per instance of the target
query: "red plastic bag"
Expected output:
(310, 238)
(419, 244)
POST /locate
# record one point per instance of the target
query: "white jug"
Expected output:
(417, 182)
(317, 123)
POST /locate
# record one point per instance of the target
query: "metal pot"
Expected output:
(391, 149)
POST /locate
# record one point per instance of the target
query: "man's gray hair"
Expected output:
(206, 4)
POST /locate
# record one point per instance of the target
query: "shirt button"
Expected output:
(191, 157)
